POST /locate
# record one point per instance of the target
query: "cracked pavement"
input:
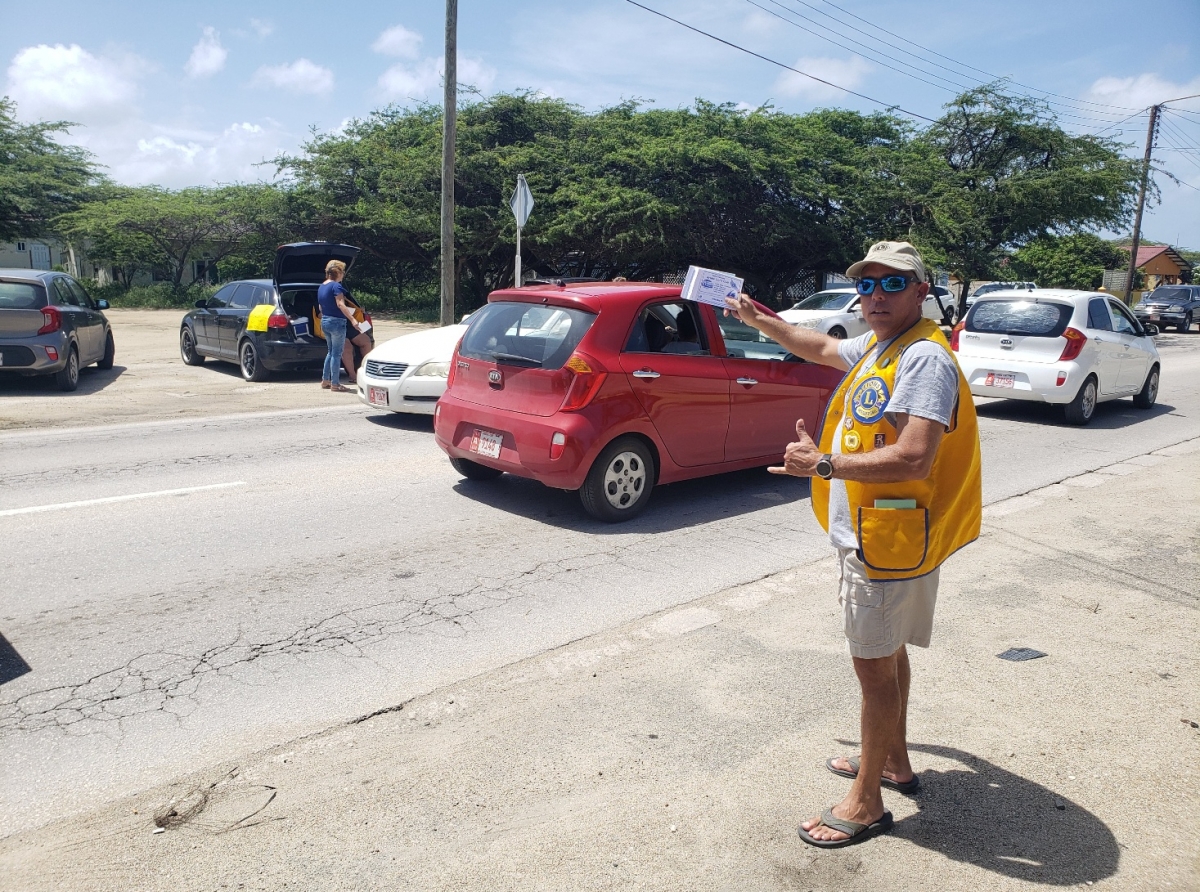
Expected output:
(354, 570)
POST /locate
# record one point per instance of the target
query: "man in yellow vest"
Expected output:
(896, 483)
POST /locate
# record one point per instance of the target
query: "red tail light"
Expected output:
(1075, 342)
(558, 444)
(453, 373)
(367, 316)
(954, 336)
(585, 383)
(53, 320)
(277, 320)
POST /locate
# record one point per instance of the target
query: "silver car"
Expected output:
(50, 326)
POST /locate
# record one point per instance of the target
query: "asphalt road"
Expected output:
(205, 587)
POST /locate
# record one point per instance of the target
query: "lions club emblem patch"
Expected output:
(869, 400)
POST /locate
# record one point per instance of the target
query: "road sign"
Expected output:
(521, 201)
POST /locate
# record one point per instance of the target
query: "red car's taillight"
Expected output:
(954, 336)
(558, 444)
(1075, 342)
(452, 374)
(53, 320)
(587, 376)
(278, 319)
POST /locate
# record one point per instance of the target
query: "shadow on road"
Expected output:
(983, 815)
(91, 380)
(1109, 416)
(12, 664)
(404, 421)
(673, 507)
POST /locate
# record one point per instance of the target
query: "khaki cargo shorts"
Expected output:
(881, 616)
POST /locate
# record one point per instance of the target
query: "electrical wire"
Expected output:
(750, 52)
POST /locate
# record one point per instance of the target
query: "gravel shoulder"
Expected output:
(149, 382)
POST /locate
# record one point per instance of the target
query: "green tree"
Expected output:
(1069, 261)
(996, 172)
(40, 177)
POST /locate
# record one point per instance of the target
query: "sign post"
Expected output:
(521, 204)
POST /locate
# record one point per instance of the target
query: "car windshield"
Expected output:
(519, 333)
(1019, 317)
(21, 296)
(825, 300)
(1166, 295)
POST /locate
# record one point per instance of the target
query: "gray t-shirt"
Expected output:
(926, 386)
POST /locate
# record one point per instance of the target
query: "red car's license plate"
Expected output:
(486, 443)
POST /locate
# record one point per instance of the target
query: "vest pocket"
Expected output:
(893, 539)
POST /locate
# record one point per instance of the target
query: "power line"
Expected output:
(750, 52)
(1136, 114)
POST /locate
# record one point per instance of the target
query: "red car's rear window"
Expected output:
(532, 335)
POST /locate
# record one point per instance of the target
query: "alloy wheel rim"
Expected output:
(188, 346)
(1153, 394)
(1089, 400)
(248, 360)
(624, 480)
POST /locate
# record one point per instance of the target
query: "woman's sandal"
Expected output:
(338, 388)
(907, 787)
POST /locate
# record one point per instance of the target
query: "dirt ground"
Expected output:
(149, 382)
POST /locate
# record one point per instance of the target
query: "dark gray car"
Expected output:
(49, 325)
(1177, 305)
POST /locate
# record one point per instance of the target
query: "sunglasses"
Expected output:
(890, 285)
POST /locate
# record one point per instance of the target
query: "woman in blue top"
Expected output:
(336, 315)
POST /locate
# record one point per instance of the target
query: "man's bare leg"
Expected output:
(881, 723)
(897, 768)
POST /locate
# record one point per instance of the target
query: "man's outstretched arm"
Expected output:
(805, 343)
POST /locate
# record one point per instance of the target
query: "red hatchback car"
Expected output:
(612, 388)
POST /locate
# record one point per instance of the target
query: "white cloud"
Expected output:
(177, 158)
(423, 80)
(53, 81)
(301, 76)
(1142, 91)
(208, 56)
(398, 41)
(262, 27)
(849, 73)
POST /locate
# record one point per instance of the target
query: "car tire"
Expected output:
(187, 348)
(838, 332)
(68, 378)
(110, 353)
(1185, 324)
(1149, 393)
(1081, 409)
(473, 470)
(617, 487)
(251, 363)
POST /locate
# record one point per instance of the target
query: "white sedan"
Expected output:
(408, 373)
(1072, 348)
(837, 312)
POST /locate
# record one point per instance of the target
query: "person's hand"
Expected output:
(743, 308)
(800, 458)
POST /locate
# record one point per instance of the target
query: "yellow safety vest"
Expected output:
(904, 543)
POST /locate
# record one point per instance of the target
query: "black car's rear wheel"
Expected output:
(68, 378)
(187, 348)
(1186, 323)
(110, 353)
(473, 470)
(618, 485)
(251, 363)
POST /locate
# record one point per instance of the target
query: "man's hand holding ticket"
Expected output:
(709, 286)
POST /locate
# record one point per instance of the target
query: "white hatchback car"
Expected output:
(837, 312)
(408, 373)
(1073, 348)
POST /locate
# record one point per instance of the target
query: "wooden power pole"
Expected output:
(449, 122)
(1137, 220)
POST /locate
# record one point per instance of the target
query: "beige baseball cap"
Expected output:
(900, 256)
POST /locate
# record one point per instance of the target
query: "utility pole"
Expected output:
(449, 122)
(1137, 220)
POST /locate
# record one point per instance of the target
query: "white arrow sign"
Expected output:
(521, 201)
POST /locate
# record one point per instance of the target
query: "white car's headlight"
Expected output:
(433, 370)
(808, 323)
(1175, 308)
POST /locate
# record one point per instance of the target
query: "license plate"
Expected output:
(378, 396)
(1000, 379)
(486, 443)
(1154, 317)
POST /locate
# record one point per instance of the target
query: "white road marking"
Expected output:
(129, 498)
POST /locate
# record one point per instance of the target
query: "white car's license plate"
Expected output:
(486, 443)
(1000, 379)
(378, 396)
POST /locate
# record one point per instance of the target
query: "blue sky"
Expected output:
(184, 94)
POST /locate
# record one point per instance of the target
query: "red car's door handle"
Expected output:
(750, 381)
(646, 373)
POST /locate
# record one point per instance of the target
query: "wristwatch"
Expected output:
(825, 467)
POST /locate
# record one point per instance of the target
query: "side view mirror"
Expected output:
(1150, 328)
(201, 303)
(101, 304)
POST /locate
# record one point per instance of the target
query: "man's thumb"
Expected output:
(800, 431)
